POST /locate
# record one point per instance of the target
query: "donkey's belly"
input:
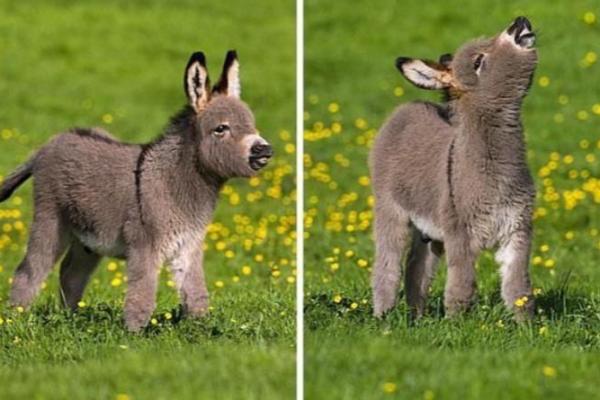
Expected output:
(109, 248)
(427, 227)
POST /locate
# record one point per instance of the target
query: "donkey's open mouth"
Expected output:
(522, 33)
(260, 156)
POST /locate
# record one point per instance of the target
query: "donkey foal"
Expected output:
(95, 196)
(455, 176)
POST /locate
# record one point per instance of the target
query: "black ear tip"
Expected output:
(400, 61)
(198, 57)
(445, 59)
(231, 55)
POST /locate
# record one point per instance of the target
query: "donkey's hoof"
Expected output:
(135, 322)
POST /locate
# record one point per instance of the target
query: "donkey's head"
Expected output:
(498, 67)
(229, 144)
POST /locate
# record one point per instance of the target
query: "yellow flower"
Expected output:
(569, 235)
(544, 248)
(362, 263)
(563, 99)
(246, 270)
(122, 396)
(333, 108)
(276, 273)
(219, 284)
(290, 279)
(290, 148)
(116, 282)
(398, 91)
(389, 387)
(543, 331)
(521, 301)
(549, 371)
(354, 306)
(364, 181)
(537, 260)
(81, 304)
(154, 321)
(549, 263)
(337, 299)
(112, 266)
(361, 123)
(589, 18)
(168, 315)
(170, 283)
(591, 57)
(544, 81)
(537, 291)
(107, 119)
(582, 115)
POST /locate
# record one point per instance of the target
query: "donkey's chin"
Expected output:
(258, 163)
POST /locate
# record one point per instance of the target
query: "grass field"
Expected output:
(351, 87)
(119, 65)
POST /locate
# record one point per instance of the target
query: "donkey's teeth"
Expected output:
(527, 40)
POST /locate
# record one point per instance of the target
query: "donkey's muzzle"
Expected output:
(522, 33)
(260, 153)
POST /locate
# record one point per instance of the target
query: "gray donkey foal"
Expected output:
(95, 196)
(455, 176)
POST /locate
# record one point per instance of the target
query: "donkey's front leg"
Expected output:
(142, 278)
(460, 283)
(188, 273)
(513, 257)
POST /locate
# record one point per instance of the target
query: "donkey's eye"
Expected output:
(477, 62)
(221, 129)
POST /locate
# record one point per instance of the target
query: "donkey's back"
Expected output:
(408, 156)
(89, 177)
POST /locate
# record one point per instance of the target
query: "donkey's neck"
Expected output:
(490, 137)
(193, 191)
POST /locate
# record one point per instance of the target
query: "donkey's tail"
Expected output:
(16, 178)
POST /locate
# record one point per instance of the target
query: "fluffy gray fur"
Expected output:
(95, 196)
(454, 177)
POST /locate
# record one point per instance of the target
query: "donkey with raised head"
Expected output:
(454, 177)
(95, 196)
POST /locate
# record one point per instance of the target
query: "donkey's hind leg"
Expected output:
(420, 269)
(75, 271)
(47, 242)
(392, 232)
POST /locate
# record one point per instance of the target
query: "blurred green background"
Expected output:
(351, 87)
(119, 65)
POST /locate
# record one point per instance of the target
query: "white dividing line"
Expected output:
(299, 199)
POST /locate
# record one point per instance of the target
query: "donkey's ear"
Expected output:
(424, 73)
(446, 60)
(196, 82)
(229, 83)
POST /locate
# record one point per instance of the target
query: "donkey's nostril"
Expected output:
(521, 33)
(261, 150)
(518, 25)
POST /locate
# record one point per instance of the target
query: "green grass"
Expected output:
(351, 87)
(119, 65)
